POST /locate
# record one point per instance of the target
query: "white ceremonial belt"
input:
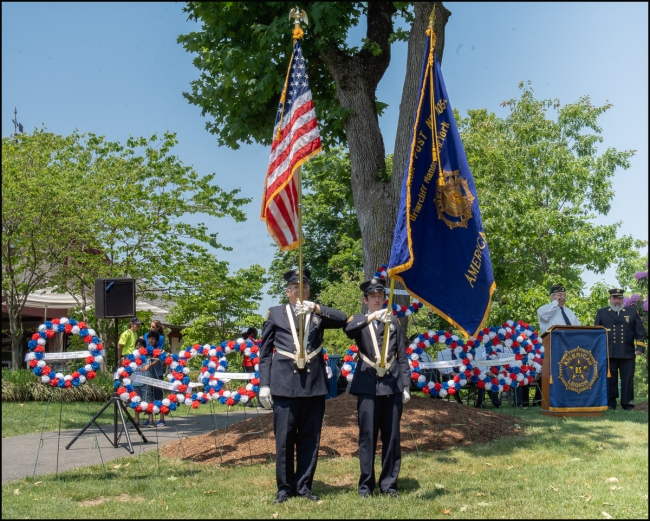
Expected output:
(376, 364)
(294, 356)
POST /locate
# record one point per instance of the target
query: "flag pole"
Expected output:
(298, 33)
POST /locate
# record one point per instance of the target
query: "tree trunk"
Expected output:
(16, 337)
(356, 78)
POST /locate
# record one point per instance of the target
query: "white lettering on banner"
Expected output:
(232, 376)
(67, 355)
(154, 382)
(459, 362)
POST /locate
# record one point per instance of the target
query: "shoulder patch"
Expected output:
(267, 315)
(350, 318)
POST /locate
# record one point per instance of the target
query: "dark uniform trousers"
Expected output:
(298, 394)
(297, 422)
(624, 366)
(377, 413)
(379, 402)
(480, 397)
(624, 327)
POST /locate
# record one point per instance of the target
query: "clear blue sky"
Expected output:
(115, 69)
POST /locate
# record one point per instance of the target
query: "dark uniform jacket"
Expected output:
(279, 371)
(365, 379)
(624, 327)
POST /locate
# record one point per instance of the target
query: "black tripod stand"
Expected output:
(118, 407)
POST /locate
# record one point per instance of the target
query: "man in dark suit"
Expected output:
(625, 326)
(296, 387)
(381, 391)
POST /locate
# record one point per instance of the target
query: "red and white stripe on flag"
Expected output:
(298, 140)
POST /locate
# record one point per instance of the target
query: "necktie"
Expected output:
(375, 323)
(453, 355)
(566, 319)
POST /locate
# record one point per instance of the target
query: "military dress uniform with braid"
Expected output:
(625, 330)
(298, 394)
(379, 400)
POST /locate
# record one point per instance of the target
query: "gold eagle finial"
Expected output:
(298, 16)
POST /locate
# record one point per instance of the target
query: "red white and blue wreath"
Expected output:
(400, 311)
(182, 391)
(36, 356)
(465, 353)
(516, 339)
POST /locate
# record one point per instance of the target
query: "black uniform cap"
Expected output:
(291, 276)
(557, 288)
(615, 292)
(373, 285)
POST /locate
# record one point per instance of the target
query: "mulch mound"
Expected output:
(427, 425)
(643, 406)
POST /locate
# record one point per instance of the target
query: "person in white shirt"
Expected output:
(447, 372)
(556, 313)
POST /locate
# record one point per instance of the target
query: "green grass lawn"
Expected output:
(560, 468)
(27, 417)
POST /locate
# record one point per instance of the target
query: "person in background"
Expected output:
(126, 343)
(143, 390)
(480, 393)
(247, 363)
(448, 373)
(424, 357)
(156, 371)
(625, 330)
(556, 313)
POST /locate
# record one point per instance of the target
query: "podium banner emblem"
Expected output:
(579, 370)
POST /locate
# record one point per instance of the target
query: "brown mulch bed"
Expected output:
(643, 406)
(427, 425)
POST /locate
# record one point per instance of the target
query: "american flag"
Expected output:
(295, 140)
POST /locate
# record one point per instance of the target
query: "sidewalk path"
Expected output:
(19, 452)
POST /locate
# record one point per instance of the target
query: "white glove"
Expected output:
(383, 316)
(406, 395)
(265, 397)
(304, 307)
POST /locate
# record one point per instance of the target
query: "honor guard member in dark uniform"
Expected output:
(380, 398)
(625, 326)
(296, 395)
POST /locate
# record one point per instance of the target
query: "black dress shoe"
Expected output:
(611, 407)
(365, 494)
(310, 497)
(390, 493)
(280, 498)
(480, 406)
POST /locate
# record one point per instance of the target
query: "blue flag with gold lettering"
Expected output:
(440, 251)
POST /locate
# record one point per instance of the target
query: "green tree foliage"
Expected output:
(78, 207)
(541, 181)
(332, 247)
(215, 304)
(243, 49)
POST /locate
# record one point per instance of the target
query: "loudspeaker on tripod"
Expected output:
(114, 298)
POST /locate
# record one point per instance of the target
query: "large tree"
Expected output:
(542, 180)
(242, 52)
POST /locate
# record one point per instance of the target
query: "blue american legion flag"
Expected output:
(440, 250)
(295, 140)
